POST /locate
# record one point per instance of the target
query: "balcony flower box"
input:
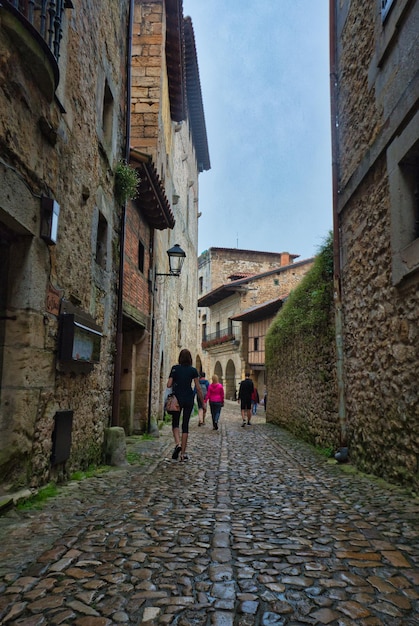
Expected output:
(217, 341)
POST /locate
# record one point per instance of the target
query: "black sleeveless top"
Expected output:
(182, 376)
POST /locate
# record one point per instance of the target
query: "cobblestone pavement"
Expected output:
(256, 529)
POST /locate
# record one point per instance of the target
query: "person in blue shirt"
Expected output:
(202, 406)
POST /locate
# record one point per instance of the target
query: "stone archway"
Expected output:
(219, 371)
(230, 381)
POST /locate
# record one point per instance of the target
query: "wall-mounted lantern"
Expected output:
(50, 212)
(176, 259)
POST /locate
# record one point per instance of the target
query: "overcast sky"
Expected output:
(264, 71)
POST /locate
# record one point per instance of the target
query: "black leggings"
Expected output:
(187, 410)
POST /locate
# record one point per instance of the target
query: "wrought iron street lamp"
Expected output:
(176, 259)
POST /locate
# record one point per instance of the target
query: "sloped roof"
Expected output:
(152, 199)
(238, 276)
(261, 311)
(183, 77)
(194, 99)
(220, 293)
(240, 251)
(175, 59)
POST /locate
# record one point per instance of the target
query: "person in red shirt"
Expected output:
(215, 397)
(255, 401)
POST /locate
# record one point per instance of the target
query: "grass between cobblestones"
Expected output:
(52, 490)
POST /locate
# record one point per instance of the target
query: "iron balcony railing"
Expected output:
(45, 16)
(220, 336)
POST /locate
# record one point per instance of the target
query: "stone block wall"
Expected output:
(226, 262)
(301, 360)
(377, 95)
(359, 114)
(176, 297)
(381, 341)
(302, 390)
(170, 144)
(63, 148)
(147, 76)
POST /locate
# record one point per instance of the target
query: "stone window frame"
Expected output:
(107, 113)
(141, 256)
(401, 153)
(102, 233)
(385, 8)
(108, 107)
(392, 20)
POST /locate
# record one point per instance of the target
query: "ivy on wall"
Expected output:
(307, 310)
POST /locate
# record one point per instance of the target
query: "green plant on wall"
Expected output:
(308, 307)
(127, 181)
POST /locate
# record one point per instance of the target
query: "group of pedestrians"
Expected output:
(180, 380)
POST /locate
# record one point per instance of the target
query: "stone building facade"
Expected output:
(375, 95)
(235, 283)
(169, 150)
(62, 130)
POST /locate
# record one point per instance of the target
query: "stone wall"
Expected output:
(147, 59)
(302, 390)
(226, 262)
(301, 360)
(65, 148)
(381, 341)
(170, 144)
(176, 311)
(377, 95)
(358, 112)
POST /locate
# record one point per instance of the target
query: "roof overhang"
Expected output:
(194, 99)
(261, 312)
(151, 200)
(221, 293)
(175, 59)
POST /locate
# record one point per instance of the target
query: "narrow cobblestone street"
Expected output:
(256, 529)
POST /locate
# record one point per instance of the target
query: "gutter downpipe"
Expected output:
(152, 330)
(336, 231)
(119, 335)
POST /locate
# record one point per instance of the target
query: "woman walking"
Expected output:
(215, 397)
(202, 407)
(180, 380)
